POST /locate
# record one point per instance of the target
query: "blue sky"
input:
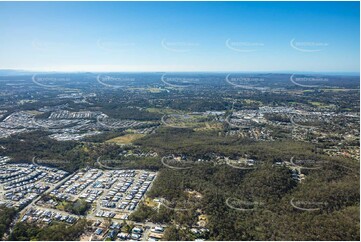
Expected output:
(180, 36)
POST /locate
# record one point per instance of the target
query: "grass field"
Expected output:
(150, 203)
(163, 110)
(209, 126)
(321, 105)
(34, 112)
(125, 139)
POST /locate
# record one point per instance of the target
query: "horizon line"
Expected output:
(30, 70)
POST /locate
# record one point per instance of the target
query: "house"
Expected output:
(112, 234)
(98, 231)
(137, 230)
(123, 236)
(155, 235)
(135, 236)
(157, 229)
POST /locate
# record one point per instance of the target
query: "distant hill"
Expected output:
(9, 72)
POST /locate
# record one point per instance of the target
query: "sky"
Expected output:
(180, 36)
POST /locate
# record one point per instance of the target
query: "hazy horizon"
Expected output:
(180, 36)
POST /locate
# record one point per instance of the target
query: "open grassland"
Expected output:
(125, 139)
(163, 110)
